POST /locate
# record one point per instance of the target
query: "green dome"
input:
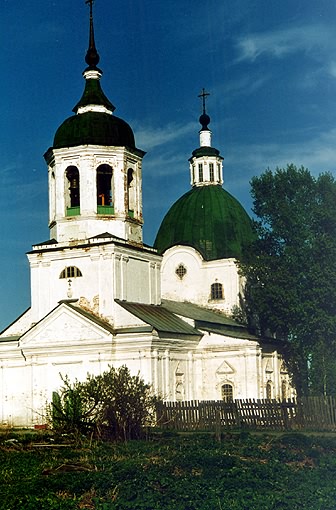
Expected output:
(94, 128)
(208, 219)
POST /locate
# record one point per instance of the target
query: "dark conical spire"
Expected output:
(92, 57)
(93, 96)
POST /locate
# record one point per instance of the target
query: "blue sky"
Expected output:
(270, 67)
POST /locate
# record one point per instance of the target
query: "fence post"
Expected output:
(159, 412)
(218, 435)
(284, 412)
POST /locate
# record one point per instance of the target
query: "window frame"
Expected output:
(227, 392)
(216, 291)
(211, 172)
(269, 390)
(200, 172)
(70, 272)
(104, 189)
(181, 271)
(72, 190)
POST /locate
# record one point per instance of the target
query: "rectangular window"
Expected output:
(211, 172)
(217, 291)
(200, 172)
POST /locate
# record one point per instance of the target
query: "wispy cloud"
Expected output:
(151, 137)
(243, 86)
(167, 164)
(332, 68)
(318, 155)
(7, 173)
(279, 43)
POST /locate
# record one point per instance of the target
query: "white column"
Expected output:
(155, 361)
(190, 374)
(166, 374)
(124, 261)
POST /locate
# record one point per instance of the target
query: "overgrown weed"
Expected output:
(252, 472)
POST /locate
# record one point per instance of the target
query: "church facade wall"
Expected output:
(177, 368)
(105, 272)
(195, 284)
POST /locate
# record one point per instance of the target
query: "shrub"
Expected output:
(69, 411)
(115, 404)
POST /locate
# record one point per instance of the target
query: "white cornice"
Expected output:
(94, 108)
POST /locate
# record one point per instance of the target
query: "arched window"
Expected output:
(104, 190)
(131, 200)
(269, 390)
(217, 291)
(284, 390)
(52, 185)
(71, 272)
(181, 271)
(73, 197)
(227, 392)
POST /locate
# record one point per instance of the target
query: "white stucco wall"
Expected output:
(200, 275)
(109, 272)
(187, 368)
(87, 159)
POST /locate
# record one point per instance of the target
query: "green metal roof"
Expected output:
(206, 151)
(208, 219)
(197, 312)
(94, 128)
(238, 333)
(209, 320)
(159, 318)
(93, 94)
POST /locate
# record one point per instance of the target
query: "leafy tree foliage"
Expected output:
(114, 403)
(291, 272)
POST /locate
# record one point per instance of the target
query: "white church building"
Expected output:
(100, 296)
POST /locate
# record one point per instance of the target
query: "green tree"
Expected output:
(291, 273)
(115, 403)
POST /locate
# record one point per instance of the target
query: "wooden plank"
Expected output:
(312, 413)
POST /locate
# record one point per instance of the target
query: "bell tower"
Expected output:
(94, 167)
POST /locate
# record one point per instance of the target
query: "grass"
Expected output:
(189, 472)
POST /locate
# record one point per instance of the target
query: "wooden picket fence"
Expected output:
(311, 413)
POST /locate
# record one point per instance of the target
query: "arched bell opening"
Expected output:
(105, 203)
(131, 192)
(72, 191)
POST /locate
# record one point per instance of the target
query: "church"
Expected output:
(101, 297)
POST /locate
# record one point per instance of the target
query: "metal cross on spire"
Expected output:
(90, 2)
(92, 57)
(204, 95)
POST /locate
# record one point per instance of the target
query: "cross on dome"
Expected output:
(203, 95)
(204, 118)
